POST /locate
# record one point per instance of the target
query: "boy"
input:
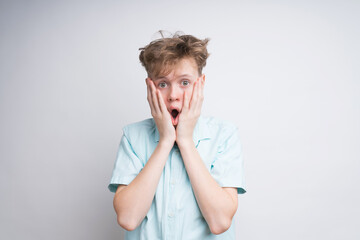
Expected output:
(177, 175)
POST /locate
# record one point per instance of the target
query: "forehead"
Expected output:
(186, 66)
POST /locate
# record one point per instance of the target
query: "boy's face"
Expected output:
(172, 87)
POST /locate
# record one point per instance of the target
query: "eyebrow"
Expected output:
(185, 75)
(181, 76)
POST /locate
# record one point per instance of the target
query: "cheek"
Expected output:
(164, 96)
(163, 93)
(189, 92)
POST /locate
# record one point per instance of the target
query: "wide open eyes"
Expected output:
(162, 85)
(185, 83)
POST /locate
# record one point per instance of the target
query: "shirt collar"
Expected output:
(201, 131)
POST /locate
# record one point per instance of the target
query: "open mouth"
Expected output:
(174, 117)
(174, 113)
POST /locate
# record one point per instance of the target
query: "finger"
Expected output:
(161, 102)
(154, 98)
(185, 102)
(201, 81)
(201, 95)
(149, 95)
(194, 96)
(197, 107)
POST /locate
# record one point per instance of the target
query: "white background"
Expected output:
(285, 72)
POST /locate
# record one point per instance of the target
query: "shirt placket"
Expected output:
(171, 209)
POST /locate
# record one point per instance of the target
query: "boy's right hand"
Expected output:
(160, 114)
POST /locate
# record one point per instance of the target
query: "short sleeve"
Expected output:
(228, 166)
(127, 165)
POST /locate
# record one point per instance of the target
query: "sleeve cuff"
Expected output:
(115, 182)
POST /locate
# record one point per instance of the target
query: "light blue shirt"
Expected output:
(174, 213)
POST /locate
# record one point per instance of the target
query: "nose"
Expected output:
(174, 94)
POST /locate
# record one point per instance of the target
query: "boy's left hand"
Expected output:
(190, 113)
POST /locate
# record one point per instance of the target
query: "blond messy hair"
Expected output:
(162, 54)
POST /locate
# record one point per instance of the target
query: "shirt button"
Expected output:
(173, 182)
(171, 215)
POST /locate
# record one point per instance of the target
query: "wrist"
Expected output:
(184, 142)
(166, 144)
